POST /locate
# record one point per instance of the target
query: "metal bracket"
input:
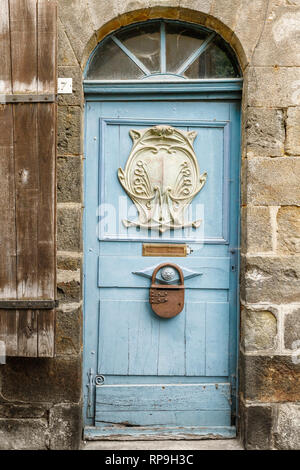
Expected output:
(92, 381)
(28, 98)
(187, 274)
(233, 264)
(90, 393)
(28, 304)
(99, 380)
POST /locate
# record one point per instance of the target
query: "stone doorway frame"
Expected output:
(269, 370)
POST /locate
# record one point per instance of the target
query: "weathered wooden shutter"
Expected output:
(27, 176)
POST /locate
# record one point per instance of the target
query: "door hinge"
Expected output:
(233, 259)
(93, 380)
(28, 304)
(89, 385)
(233, 385)
(29, 98)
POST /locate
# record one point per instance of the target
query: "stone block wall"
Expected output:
(270, 273)
(40, 400)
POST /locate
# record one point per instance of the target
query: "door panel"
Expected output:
(163, 397)
(133, 350)
(214, 272)
(211, 204)
(150, 405)
(161, 372)
(176, 418)
(143, 345)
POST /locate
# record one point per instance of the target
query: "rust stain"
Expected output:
(279, 382)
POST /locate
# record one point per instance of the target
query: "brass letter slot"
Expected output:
(164, 249)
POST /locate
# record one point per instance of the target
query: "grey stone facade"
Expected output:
(40, 400)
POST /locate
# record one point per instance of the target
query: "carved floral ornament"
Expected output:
(162, 177)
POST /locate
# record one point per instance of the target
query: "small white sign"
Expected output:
(65, 86)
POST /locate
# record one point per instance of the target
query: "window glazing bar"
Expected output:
(196, 54)
(140, 65)
(163, 58)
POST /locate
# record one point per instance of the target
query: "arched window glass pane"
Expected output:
(111, 63)
(144, 42)
(162, 50)
(181, 42)
(215, 62)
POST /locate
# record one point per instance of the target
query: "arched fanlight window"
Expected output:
(162, 50)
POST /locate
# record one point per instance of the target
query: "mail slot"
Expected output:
(167, 301)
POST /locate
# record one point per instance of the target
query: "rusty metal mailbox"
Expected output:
(167, 300)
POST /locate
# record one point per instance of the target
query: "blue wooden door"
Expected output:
(144, 374)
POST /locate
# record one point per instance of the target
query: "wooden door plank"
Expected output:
(172, 345)
(27, 174)
(158, 433)
(3, 330)
(143, 337)
(195, 338)
(27, 333)
(113, 348)
(46, 143)
(23, 45)
(46, 53)
(5, 57)
(164, 418)
(8, 331)
(46, 331)
(134, 350)
(163, 397)
(217, 339)
(7, 206)
(12, 321)
(27, 196)
(214, 271)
